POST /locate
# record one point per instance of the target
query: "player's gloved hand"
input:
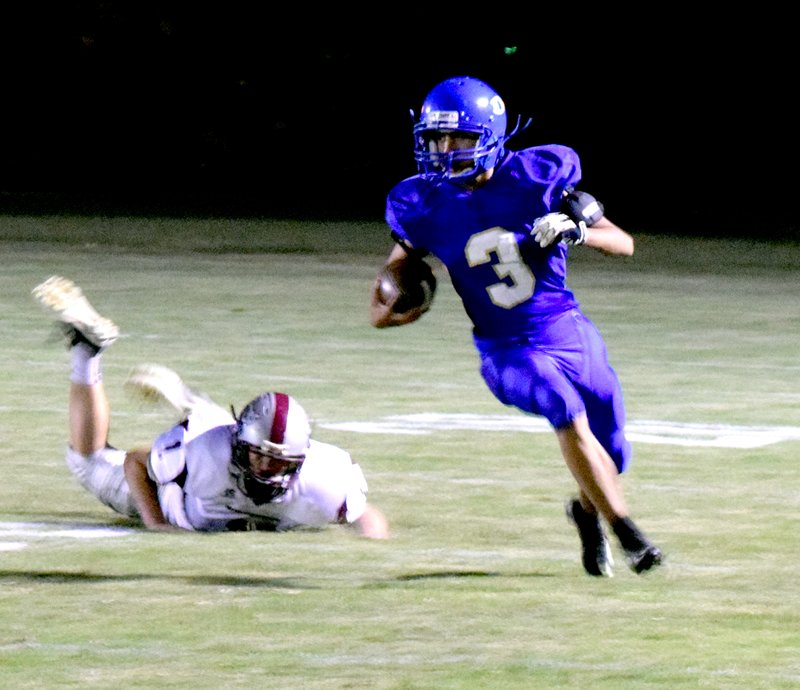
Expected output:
(558, 227)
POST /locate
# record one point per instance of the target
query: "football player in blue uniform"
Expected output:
(502, 223)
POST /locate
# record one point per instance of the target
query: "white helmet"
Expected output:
(275, 427)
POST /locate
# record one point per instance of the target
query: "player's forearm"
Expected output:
(144, 491)
(606, 237)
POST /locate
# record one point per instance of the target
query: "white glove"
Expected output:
(558, 227)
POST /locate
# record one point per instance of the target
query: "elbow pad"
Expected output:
(581, 207)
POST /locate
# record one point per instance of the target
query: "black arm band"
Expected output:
(581, 206)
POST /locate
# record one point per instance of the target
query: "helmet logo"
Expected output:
(498, 107)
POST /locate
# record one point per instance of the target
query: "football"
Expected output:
(407, 285)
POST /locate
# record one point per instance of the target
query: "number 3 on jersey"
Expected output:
(503, 245)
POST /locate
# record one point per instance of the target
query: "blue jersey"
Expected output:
(539, 352)
(508, 284)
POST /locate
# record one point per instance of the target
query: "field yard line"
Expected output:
(36, 531)
(642, 431)
(57, 529)
(12, 545)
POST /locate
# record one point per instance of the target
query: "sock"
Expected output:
(86, 365)
(580, 513)
(629, 535)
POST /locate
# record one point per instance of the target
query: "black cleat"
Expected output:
(640, 554)
(596, 551)
(642, 560)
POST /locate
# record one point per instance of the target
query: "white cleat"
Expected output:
(154, 383)
(66, 301)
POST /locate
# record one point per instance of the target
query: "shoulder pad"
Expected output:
(167, 458)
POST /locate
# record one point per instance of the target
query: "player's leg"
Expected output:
(596, 477)
(87, 335)
(592, 468)
(89, 410)
(97, 467)
(601, 392)
(535, 383)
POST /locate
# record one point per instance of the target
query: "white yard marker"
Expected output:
(643, 431)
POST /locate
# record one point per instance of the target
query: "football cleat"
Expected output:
(79, 320)
(154, 383)
(640, 554)
(642, 560)
(595, 548)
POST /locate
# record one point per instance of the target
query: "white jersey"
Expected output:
(198, 484)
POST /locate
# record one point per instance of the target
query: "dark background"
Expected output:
(684, 124)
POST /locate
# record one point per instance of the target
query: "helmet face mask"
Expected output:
(451, 152)
(469, 111)
(272, 435)
(263, 477)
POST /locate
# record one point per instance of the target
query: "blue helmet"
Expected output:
(467, 106)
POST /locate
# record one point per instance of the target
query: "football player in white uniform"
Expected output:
(213, 471)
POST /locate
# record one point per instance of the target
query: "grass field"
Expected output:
(480, 585)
